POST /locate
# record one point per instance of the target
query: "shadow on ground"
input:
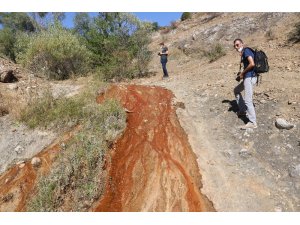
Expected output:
(234, 108)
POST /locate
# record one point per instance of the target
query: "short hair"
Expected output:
(161, 43)
(238, 39)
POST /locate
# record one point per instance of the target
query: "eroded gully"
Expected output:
(152, 166)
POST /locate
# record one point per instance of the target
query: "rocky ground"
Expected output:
(252, 170)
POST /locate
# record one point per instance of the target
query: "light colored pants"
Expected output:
(247, 104)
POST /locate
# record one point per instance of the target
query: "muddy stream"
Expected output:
(152, 166)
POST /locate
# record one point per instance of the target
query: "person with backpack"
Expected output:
(249, 78)
(164, 59)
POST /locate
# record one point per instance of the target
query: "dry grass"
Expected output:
(215, 53)
(78, 178)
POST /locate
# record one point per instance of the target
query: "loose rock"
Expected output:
(36, 162)
(294, 171)
(283, 124)
(245, 153)
(19, 149)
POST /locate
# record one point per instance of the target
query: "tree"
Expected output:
(7, 41)
(42, 20)
(140, 40)
(17, 21)
(155, 26)
(107, 33)
(13, 23)
(185, 16)
(82, 23)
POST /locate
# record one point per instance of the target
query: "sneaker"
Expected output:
(241, 113)
(248, 125)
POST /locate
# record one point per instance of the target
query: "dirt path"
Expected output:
(252, 170)
(153, 167)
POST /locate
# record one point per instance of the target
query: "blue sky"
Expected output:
(163, 18)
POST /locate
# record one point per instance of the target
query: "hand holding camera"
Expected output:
(238, 78)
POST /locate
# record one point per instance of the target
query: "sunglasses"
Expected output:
(236, 45)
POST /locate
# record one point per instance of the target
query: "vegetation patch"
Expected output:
(294, 36)
(55, 53)
(215, 53)
(78, 177)
(185, 16)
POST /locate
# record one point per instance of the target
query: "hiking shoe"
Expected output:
(241, 113)
(248, 125)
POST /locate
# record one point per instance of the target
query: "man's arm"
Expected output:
(165, 53)
(248, 68)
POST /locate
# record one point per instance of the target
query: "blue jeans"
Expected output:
(164, 67)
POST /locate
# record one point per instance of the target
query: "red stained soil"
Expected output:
(17, 184)
(153, 167)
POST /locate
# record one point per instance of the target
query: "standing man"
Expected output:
(164, 59)
(248, 78)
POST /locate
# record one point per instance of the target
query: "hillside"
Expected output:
(253, 170)
(182, 149)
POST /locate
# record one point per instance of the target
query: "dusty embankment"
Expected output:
(153, 167)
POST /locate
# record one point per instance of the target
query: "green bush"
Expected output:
(215, 53)
(185, 16)
(54, 53)
(155, 26)
(139, 48)
(294, 36)
(119, 67)
(7, 41)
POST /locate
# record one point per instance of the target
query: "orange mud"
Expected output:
(153, 167)
(17, 184)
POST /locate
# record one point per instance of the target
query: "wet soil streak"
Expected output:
(153, 167)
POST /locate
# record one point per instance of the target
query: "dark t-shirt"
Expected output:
(164, 58)
(246, 53)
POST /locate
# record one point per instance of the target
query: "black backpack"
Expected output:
(261, 61)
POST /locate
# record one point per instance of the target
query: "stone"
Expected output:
(227, 153)
(283, 124)
(21, 165)
(294, 171)
(19, 149)
(36, 162)
(245, 153)
(20, 162)
(13, 86)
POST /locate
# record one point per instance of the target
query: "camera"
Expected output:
(238, 78)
